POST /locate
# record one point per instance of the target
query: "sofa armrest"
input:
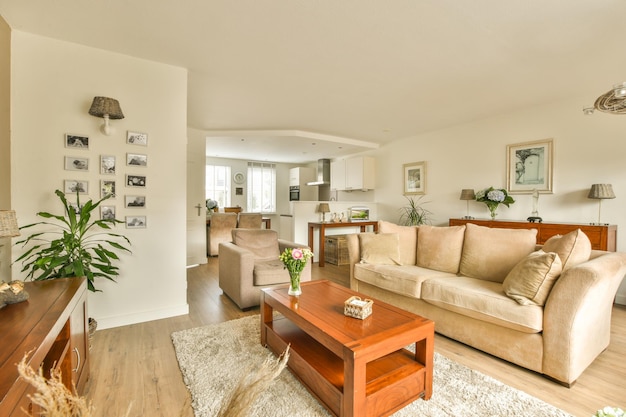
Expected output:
(354, 257)
(235, 270)
(577, 315)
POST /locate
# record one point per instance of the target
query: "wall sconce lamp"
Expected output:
(467, 195)
(323, 208)
(601, 192)
(108, 109)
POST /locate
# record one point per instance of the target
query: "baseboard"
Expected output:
(141, 317)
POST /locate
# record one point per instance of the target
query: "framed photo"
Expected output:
(107, 164)
(107, 212)
(76, 141)
(136, 180)
(137, 138)
(73, 163)
(136, 159)
(529, 167)
(415, 178)
(135, 222)
(72, 186)
(135, 201)
(107, 188)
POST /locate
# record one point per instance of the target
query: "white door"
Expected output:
(196, 209)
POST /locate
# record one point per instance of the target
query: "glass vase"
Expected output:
(294, 283)
(493, 207)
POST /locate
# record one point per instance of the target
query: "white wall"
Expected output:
(587, 150)
(53, 84)
(5, 142)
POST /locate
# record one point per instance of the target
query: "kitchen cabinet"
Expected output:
(353, 174)
(300, 176)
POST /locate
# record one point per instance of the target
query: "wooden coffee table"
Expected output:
(354, 367)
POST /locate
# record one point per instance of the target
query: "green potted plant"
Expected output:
(74, 246)
(414, 214)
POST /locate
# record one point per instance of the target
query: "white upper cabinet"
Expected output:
(353, 174)
(300, 176)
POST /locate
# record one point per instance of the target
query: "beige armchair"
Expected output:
(250, 220)
(251, 262)
(220, 231)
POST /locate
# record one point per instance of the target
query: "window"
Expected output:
(218, 184)
(261, 187)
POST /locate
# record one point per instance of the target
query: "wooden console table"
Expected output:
(602, 237)
(52, 326)
(322, 226)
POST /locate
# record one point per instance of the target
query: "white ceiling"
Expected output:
(356, 73)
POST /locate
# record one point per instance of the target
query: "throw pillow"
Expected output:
(531, 280)
(379, 248)
(490, 253)
(408, 237)
(440, 248)
(573, 248)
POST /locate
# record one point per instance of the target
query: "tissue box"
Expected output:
(357, 308)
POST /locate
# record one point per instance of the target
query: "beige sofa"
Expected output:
(547, 309)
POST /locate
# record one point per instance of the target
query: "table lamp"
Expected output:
(467, 195)
(601, 192)
(323, 208)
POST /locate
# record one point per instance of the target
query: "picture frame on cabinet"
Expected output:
(135, 180)
(107, 188)
(76, 141)
(75, 163)
(107, 212)
(136, 160)
(136, 138)
(72, 186)
(135, 201)
(107, 164)
(529, 167)
(414, 178)
(135, 222)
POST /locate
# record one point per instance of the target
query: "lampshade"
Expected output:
(323, 208)
(8, 224)
(103, 106)
(467, 194)
(601, 191)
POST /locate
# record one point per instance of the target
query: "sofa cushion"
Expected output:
(440, 248)
(408, 239)
(261, 242)
(531, 280)
(404, 280)
(490, 253)
(482, 300)
(379, 248)
(573, 248)
(269, 272)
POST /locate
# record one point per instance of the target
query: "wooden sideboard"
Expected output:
(602, 237)
(52, 327)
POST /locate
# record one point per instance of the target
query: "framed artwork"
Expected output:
(415, 178)
(135, 201)
(107, 188)
(73, 163)
(107, 212)
(137, 138)
(529, 167)
(136, 180)
(137, 159)
(107, 164)
(135, 222)
(73, 186)
(76, 141)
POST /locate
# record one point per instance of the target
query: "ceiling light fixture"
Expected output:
(108, 109)
(613, 101)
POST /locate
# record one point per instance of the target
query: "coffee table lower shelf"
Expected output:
(392, 381)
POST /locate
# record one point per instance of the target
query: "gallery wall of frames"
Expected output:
(131, 170)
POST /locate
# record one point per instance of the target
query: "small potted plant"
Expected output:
(414, 214)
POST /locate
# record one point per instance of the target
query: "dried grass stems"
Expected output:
(241, 400)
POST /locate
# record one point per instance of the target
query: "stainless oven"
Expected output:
(294, 193)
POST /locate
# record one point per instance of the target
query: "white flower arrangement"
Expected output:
(610, 412)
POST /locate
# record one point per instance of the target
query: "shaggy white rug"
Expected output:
(214, 358)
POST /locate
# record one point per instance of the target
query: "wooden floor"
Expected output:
(136, 366)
